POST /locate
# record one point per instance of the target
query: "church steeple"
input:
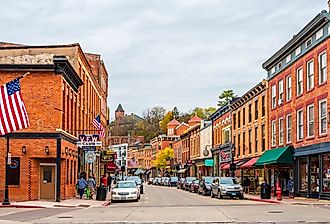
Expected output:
(119, 113)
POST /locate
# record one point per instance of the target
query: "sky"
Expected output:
(166, 53)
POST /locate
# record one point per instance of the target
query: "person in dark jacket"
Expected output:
(109, 182)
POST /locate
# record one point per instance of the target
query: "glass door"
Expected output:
(314, 176)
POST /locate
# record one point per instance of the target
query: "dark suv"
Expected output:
(205, 185)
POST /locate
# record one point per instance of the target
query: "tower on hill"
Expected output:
(119, 113)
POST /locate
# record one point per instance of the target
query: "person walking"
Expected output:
(82, 184)
(91, 185)
(104, 181)
(109, 180)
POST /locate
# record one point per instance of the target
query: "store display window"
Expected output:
(326, 173)
(303, 174)
(315, 174)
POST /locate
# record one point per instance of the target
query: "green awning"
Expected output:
(276, 156)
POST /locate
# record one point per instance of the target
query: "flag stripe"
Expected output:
(5, 110)
(24, 113)
(13, 111)
(18, 114)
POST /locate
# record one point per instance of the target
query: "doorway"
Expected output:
(47, 182)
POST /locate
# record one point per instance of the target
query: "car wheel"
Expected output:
(203, 193)
(241, 197)
(136, 200)
(212, 195)
(219, 195)
(199, 192)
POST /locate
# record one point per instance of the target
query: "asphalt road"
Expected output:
(169, 205)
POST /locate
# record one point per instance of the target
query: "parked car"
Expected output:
(180, 183)
(205, 185)
(166, 182)
(157, 181)
(194, 186)
(188, 182)
(138, 181)
(150, 180)
(125, 190)
(174, 181)
(226, 186)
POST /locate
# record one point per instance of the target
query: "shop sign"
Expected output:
(89, 140)
(89, 148)
(90, 157)
(209, 162)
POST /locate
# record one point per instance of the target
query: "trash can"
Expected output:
(265, 191)
(101, 193)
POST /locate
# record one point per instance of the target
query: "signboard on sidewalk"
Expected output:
(89, 140)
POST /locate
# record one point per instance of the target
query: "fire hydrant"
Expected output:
(279, 192)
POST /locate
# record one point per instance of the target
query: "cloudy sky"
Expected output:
(165, 52)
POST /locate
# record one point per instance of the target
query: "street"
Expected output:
(170, 205)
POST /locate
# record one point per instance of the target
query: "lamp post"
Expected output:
(232, 164)
(6, 196)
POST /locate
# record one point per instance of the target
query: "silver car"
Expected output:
(125, 190)
(226, 186)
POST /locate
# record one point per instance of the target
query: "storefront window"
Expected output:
(315, 170)
(303, 174)
(326, 172)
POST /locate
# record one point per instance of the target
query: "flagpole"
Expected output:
(6, 196)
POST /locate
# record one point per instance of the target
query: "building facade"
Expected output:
(63, 94)
(299, 106)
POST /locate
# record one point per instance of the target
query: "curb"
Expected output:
(21, 206)
(105, 204)
(264, 200)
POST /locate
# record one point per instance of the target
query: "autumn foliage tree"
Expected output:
(163, 156)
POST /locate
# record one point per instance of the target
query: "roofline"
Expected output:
(322, 18)
(40, 46)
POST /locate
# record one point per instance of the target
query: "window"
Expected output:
(288, 128)
(323, 117)
(244, 152)
(226, 134)
(234, 120)
(310, 75)
(280, 92)
(250, 141)
(67, 172)
(322, 68)
(234, 141)
(274, 133)
(288, 58)
(303, 174)
(239, 119)
(272, 70)
(243, 116)
(325, 172)
(299, 81)
(239, 145)
(309, 43)
(250, 113)
(13, 171)
(256, 109)
(263, 133)
(273, 96)
(279, 65)
(298, 50)
(263, 112)
(288, 88)
(300, 125)
(310, 120)
(256, 139)
(281, 131)
(319, 34)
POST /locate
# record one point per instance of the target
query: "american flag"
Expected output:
(224, 155)
(97, 124)
(13, 115)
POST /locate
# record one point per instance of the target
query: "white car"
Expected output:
(125, 190)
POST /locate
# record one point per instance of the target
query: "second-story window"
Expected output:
(263, 106)
(250, 113)
(300, 86)
(300, 125)
(280, 92)
(310, 120)
(323, 117)
(273, 96)
(244, 145)
(250, 141)
(310, 75)
(288, 88)
(256, 139)
(243, 116)
(239, 119)
(273, 133)
(288, 128)
(256, 109)
(323, 68)
(238, 145)
(280, 131)
(234, 121)
(263, 134)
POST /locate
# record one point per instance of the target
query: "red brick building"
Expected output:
(299, 105)
(63, 94)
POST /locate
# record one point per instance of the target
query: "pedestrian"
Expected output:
(109, 180)
(104, 181)
(82, 184)
(91, 185)
(246, 183)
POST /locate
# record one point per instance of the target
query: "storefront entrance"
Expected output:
(47, 181)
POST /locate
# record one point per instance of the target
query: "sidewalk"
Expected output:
(69, 203)
(288, 201)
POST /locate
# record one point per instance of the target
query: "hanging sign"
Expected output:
(90, 156)
(89, 140)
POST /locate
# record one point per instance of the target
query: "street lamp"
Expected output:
(232, 164)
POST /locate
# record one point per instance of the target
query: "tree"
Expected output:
(162, 157)
(167, 118)
(175, 112)
(225, 97)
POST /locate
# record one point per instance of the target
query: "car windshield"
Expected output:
(190, 179)
(125, 185)
(136, 179)
(230, 181)
(208, 180)
(182, 179)
(196, 181)
(174, 178)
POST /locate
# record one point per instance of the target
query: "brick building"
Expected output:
(63, 94)
(299, 107)
(250, 132)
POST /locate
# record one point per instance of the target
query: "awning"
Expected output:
(182, 171)
(276, 156)
(139, 171)
(223, 165)
(249, 163)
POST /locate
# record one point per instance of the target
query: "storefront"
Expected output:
(312, 171)
(222, 157)
(277, 165)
